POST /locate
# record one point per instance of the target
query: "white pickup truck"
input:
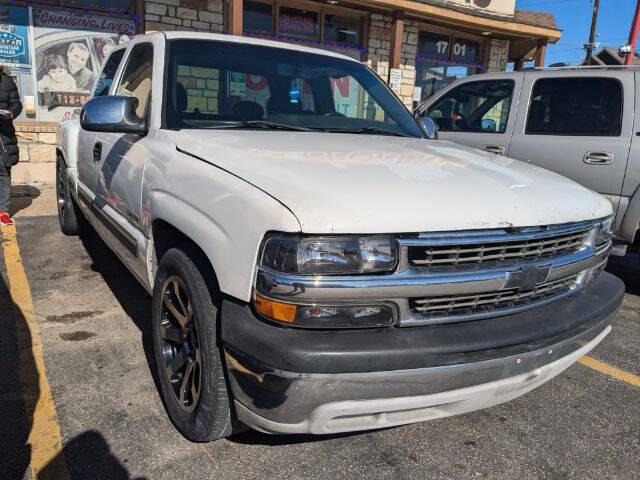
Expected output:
(317, 263)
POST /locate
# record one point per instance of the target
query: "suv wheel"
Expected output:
(72, 221)
(189, 362)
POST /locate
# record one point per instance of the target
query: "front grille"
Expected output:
(495, 253)
(491, 302)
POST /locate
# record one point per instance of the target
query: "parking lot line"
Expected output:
(44, 437)
(614, 372)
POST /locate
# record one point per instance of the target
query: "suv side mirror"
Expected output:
(114, 114)
(429, 126)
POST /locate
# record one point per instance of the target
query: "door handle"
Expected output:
(497, 149)
(97, 152)
(599, 158)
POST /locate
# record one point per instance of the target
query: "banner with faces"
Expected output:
(70, 47)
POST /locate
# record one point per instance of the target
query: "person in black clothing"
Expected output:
(10, 108)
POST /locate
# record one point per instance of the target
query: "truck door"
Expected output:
(119, 166)
(478, 112)
(578, 124)
(86, 140)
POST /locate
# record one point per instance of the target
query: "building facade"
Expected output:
(54, 48)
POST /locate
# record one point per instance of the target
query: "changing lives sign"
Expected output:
(69, 50)
(14, 36)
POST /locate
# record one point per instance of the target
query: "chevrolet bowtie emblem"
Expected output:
(527, 278)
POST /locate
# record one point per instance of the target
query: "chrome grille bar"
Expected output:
(471, 303)
(454, 255)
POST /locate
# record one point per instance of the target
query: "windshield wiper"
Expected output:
(365, 130)
(261, 124)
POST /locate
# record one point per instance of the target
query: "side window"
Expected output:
(136, 79)
(108, 72)
(481, 107)
(587, 106)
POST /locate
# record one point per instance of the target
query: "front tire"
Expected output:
(188, 360)
(72, 221)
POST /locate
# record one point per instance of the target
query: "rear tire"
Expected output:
(189, 362)
(72, 221)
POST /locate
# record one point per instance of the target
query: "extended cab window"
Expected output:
(136, 79)
(475, 107)
(587, 106)
(220, 85)
(108, 73)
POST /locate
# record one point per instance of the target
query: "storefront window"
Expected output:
(257, 17)
(121, 6)
(464, 51)
(443, 59)
(343, 30)
(433, 46)
(298, 23)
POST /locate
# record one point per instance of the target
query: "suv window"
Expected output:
(474, 107)
(136, 79)
(576, 106)
(108, 72)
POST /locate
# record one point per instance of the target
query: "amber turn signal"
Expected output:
(281, 312)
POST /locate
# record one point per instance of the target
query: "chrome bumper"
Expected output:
(276, 401)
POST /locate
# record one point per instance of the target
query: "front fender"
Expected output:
(224, 215)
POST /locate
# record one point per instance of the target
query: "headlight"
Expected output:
(605, 232)
(329, 255)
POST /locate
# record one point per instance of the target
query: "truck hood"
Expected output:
(349, 183)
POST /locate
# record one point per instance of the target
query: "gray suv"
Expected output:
(578, 122)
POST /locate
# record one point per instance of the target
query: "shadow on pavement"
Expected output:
(253, 437)
(87, 455)
(627, 268)
(22, 197)
(133, 299)
(16, 368)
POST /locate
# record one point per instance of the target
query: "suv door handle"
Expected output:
(599, 158)
(97, 152)
(497, 149)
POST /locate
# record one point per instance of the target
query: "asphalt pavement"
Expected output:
(91, 319)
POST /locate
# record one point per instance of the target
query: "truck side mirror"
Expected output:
(429, 126)
(114, 114)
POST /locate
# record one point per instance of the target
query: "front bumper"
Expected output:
(292, 381)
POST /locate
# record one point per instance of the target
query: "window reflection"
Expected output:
(257, 17)
(344, 30)
(298, 23)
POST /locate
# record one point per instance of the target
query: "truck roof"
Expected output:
(175, 35)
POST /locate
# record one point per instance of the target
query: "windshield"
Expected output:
(227, 85)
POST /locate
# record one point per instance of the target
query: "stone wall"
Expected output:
(379, 43)
(498, 55)
(37, 145)
(408, 54)
(192, 15)
(379, 47)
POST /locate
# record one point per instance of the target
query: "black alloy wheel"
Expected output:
(189, 358)
(180, 344)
